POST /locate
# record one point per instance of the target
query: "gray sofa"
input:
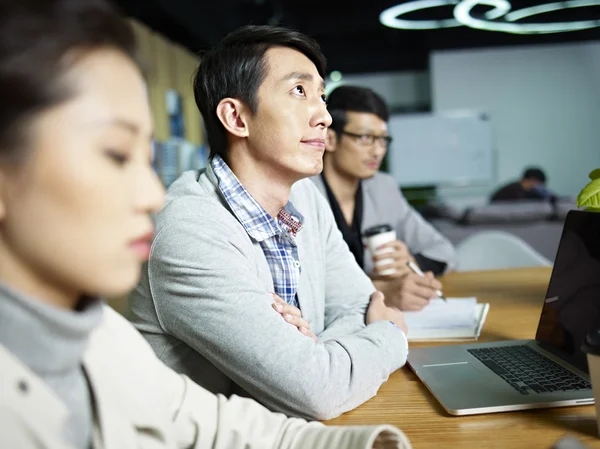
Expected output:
(537, 223)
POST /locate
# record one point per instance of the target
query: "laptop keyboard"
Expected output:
(527, 371)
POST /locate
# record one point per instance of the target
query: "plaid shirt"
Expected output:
(276, 237)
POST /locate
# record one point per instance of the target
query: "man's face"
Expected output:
(358, 157)
(532, 184)
(287, 133)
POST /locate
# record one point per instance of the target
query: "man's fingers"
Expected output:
(377, 296)
(396, 258)
(277, 298)
(418, 286)
(296, 320)
(278, 307)
(433, 282)
(286, 309)
(403, 256)
(400, 269)
(399, 265)
(415, 303)
(428, 282)
(306, 331)
(394, 244)
(293, 316)
(283, 307)
(292, 310)
(423, 292)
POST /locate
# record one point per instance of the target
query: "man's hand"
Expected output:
(293, 316)
(400, 255)
(410, 292)
(378, 311)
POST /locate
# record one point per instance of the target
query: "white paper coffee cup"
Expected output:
(594, 367)
(591, 347)
(377, 236)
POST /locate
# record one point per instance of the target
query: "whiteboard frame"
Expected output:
(457, 182)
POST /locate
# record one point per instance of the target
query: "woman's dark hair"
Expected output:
(355, 99)
(236, 68)
(39, 41)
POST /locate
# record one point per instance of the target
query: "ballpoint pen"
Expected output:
(417, 270)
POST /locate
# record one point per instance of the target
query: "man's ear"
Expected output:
(331, 140)
(233, 114)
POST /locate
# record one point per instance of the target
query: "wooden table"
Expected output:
(516, 298)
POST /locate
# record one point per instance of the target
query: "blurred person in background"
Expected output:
(361, 196)
(77, 191)
(531, 186)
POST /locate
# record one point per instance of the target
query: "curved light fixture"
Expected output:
(391, 17)
(462, 13)
(548, 7)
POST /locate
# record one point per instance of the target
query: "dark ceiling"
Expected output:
(349, 31)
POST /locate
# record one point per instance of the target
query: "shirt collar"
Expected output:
(254, 218)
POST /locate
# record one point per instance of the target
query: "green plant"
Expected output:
(589, 197)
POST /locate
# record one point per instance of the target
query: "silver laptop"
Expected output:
(550, 371)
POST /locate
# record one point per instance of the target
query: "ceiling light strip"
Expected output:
(500, 9)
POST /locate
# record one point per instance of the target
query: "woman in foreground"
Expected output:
(77, 191)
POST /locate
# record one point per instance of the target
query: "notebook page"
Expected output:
(457, 312)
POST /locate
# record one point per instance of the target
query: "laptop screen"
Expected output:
(572, 304)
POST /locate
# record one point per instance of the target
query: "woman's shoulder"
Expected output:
(116, 334)
(26, 399)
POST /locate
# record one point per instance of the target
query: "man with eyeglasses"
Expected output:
(361, 196)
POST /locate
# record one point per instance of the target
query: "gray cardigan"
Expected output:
(384, 203)
(203, 304)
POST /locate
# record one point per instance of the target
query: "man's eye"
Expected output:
(117, 157)
(324, 98)
(299, 89)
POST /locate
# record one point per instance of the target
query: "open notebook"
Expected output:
(458, 319)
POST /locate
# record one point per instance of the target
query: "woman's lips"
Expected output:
(142, 245)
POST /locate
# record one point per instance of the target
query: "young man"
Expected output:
(531, 186)
(250, 287)
(361, 197)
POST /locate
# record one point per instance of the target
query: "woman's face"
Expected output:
(75, 214)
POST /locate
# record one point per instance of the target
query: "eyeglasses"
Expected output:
(368, 140)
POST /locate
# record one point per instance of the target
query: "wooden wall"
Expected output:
(169, 66)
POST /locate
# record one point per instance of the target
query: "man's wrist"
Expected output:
(398, 327)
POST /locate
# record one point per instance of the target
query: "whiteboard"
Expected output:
(441, 149)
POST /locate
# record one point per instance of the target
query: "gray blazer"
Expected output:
(384, 203)
(203, 304)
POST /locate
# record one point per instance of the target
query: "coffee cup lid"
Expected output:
(591, 344)
(379, 229)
